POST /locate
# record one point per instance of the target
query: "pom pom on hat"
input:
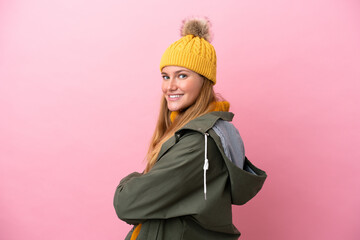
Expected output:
(199, 27)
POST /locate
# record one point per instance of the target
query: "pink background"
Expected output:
(79, 95)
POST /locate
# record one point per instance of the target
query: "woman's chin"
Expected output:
(174, 109)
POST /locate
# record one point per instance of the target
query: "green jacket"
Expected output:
(169, 200)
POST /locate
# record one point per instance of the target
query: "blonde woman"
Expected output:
(196, 165)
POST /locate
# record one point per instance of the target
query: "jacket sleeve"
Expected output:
(173, 187)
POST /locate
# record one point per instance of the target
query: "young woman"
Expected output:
(196, 166)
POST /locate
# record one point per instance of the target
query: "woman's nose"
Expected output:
(172, 84)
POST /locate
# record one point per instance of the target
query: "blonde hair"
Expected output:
(165, 128)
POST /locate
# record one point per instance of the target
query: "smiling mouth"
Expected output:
(174, 97)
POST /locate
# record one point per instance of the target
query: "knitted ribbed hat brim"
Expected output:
(190, 61)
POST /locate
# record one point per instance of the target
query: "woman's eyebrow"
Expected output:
(182, 70)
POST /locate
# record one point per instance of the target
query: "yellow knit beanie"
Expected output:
(193, 51)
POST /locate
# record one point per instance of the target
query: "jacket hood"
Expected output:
(246, 181)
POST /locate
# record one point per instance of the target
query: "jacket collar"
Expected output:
(201, 124)
(204, 123)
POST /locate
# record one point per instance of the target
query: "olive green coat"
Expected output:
(169, 200)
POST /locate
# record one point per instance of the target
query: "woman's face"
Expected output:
(180, 86)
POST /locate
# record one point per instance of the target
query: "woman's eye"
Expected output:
(165, 77)
(182, 76)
